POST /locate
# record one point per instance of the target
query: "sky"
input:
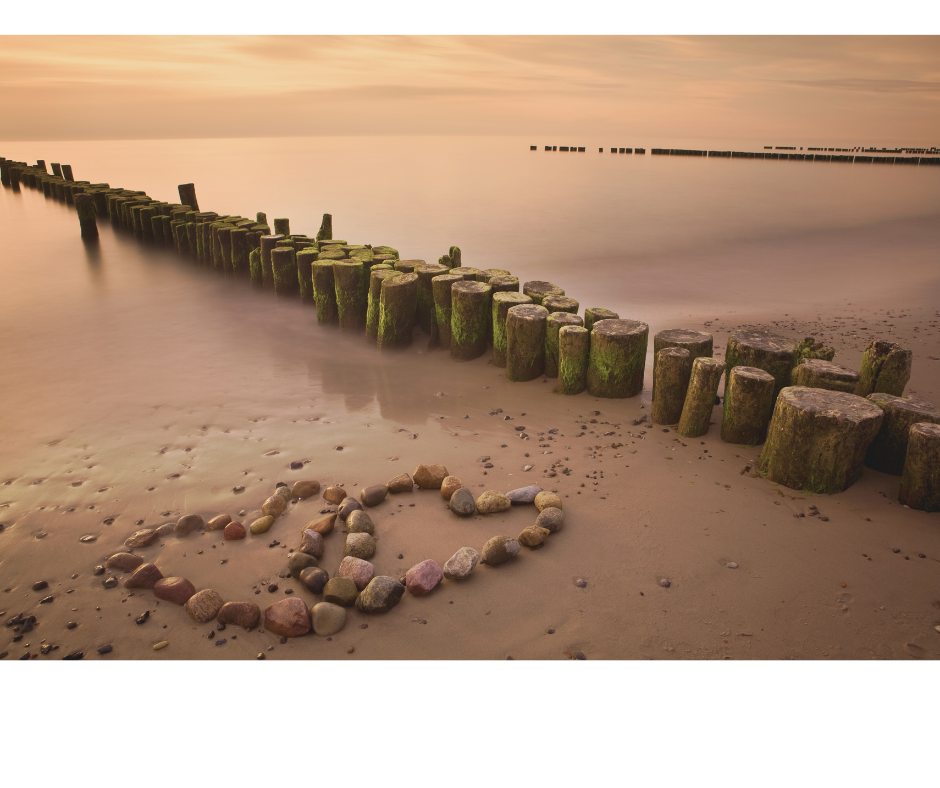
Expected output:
(835, 89)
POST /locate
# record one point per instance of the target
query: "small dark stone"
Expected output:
(400, 556)
(272, 588)
(551, 632)
(221, 642)
(220, 627)
(71, 625)
(580, 582)
(665, 583)
(363, 626)
(520, 428)
(895, 549)
(143, 617)
(260, 655)
(296, 466)
(99, 570)
(39, 585)
(46, 600)
(921, 555)
(111, 582)
(580, 655)
(75, 655)
(106, 649)
(283, 641)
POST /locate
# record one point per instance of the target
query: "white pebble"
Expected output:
(732, 565)
(527, 468)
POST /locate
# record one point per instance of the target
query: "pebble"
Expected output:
(327, 619)
(272, 587)
(165, 530)
(218, 522)
(98, 570)
(144, 576)
(314, 579)
(528, 468)
(299, 561)
(106, 649)
(449, 486)
(360, 523)
(238, 488)
(381, 595)
(581, 582)
(359, 546)
(296, 465)
(142, 538)
(430, 477)
(160, 645)
(491, 502)
(461, 564)
(422, 578)
(177, 590)
(188, 523)
(305, 489)
(323, 525)
(262, 524)
(73, 655)
(401, 484)
(523, 495)
(110, 582)
(125, 562)
(39, 585)
(462, 503)
(246, 615)
(288, 618)
(203, 606)
(732, 565)
(499, 550)
(46, 600)
(359, 571)
(142, 618)
(551, 519)
(533, 536)
(274, 506)
(312, 543)
(373, 495)
(71, 625)
(665, 583)
(340, 591)
(88, 538)
(234, 531)
(347, 507)
(334, 494)
(546, 499)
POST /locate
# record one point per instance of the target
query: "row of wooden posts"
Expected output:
(819, 422)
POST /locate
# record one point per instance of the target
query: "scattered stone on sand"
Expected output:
(188, 523)
(401, 484)
(462, 503)
(492, 502)
(166, 530)
(161, 645)
(373, 495)
(665, 583)
(340, 591)
(98, 570)
(360, 523)
(234, 531)
(142, 538)
(261, 525)
(238, 488)
(422, 578)
(461, 564)
(305, 489)
(144, 576)
(106, 649)
(323, 525)
(347, 507)
(499, 550)
(546, 499)
(449, 486)
(283, 490)
(581, 582)
(299, 561)
(551, 519)
(109, 582)
(359, 571)
(334, 494)
(533, 536)
(523, 495)
(218, 522)
(86, 539)
(381, 595)
(124, 562)
(360, 546)
(204, 605)
(288, 618)
(327, 619)
(177, 590)
(274, 506)
(314, 579)
(246, 615)
(312, 543)
(430, 477)
(731, 565)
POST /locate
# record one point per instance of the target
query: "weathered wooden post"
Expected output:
(469, 274)
(352, 291)
(324, 292)
(490, 273)
(67, 172)
(538, 290)
(504, 284)
(886, 368)
(425, 315)
(225, 242)
(889, 448)
(85, 207)
(553, 325)
(268, 244)
(305, 260)
(920, 481)
(407, 266)
(618, 358)
(673, 367)
(57, 169)
(574, 349)
(284, 269)
(816, 373)
(188, 195)
(282, 227)
(700, 398)
(594, 313)
(525, 342)
(502, 302)
(748, 406)
(325, 233)
(698, 343)
(818, 439)
(561, 304)
(443, 306)
(470, 311)
(377, 275)
(764, 350)
(398, 304)
(254, 264)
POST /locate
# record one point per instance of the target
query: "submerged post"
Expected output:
(188, 195)
(85, 207)
(470, 310)
(324, 292)
(377, 275)
(443, 306)
(352, 292)
(399, 301)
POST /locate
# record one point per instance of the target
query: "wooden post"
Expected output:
(470, 311)
(188, 195)
(399, 301)
(502, 302)
(574, 349)
(556, 321)
(700, 398)
(920, 481)
(748, 406)
(443, 306)
(85, 207)
(618, 358)
(673, 366)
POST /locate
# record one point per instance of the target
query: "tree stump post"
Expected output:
(555, 303)
(748, 406)
(817, 373)
(698, 343)
(398, 304)
(920, 481)
(240, 263)
(762, 349)
(443, 306)
(324, 293)
(284, 266)
(470, 311)
(425, 317)
(618, 358)
(325, 233)
(377, 275)
(886, 369)
(889, 448)
(305, 260)
(268, 244)
(700, 398)
(538, 291)
(352, 293)
(188, 195)
(282, 227)
(673, 368)
(87, 216)
(254, 263)
(503, 301)
(553, 325)
(525, 342)
(574, 349)
(594, 313)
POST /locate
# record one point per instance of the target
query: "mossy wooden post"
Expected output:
(700, 398)
(397, 307)
(920, 481)
(225, 243)
(816, 373)
(188, 195)
(377, 275)
(325, 233)
(574, 351)
(67, 172)
(748, 406)
(305, 261)
(594, 313)
(284, 269)
(167, 230)
(553, 325)
(525, 342)
(352, 292)
(698, 343)
(240, 265)
(470, 311)
(261, 217)
(455, 257)
(469, 274)
(146, 223)
(618, 358)
(818, 439)
(56, 169)
(443, 303)
(886, 368)
(425, 317)
(324, 292)
(888, 449)
(156, 229)
(386, 250)
(502, 302)
(190, 239)
(490, 273)
(407, 266)
(282, 227)
(764, 350)
(555, 303)
(268, 244)
(254, 264)
(538, 291)
(85, 207)
(673, 366)
(504, 284)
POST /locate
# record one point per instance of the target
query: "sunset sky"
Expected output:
(831, 89)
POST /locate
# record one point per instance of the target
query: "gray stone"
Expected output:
(360, 523)
(523, 495)
(189, 523)
(462, 503)
(347, 507)
(551, 518)
(374, 495)
(299, 561)
(360, 546)
(312, 543)
(381, 595)
(341, 591)
(327, 619)
(461, 564)
(499, 550)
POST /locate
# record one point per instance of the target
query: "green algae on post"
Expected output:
(700, 397)
(324, 292)
(261, 217)
(305, 261)
(397, 307)
(561, 304)
(556, 321)
(618, 358)
(441, 287)
(920, 481)
(188, 195)
(85, 207)
(425, 312)
(489, 273)
(673, 366)
(469, 274)
(594, 313)
(254, 263)
(764, 350)
(377, 275)
(886, 368)
(538, 290)
(282, 227)
(470, 311)
(505, 284)
(284, 269)
(889, 448)
(240, 264)
(325, 233)
(502, 302)
(698, 343)
(816, 373)
(748, 406)
(525, 342)
(574, 348)
(268, 244)
(352, 292)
